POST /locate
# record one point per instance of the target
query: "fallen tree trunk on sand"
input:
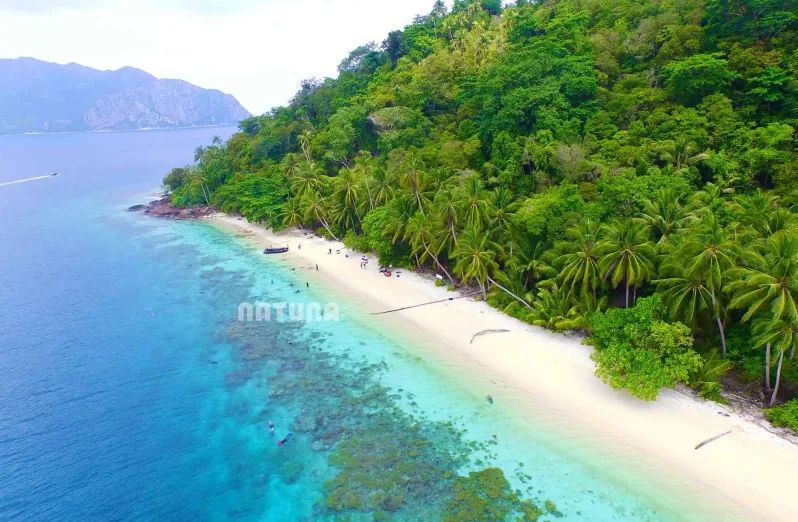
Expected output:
(483, 332)
(716, 437)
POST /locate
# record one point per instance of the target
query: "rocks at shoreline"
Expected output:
(163, 208)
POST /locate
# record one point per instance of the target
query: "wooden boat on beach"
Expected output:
(281, 250)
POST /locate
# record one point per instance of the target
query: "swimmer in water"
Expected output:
(282, 442)
(271, 428)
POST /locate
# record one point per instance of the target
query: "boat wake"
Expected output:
(25, 180)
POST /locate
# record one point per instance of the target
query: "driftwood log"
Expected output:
(716, 437)
(484, 332)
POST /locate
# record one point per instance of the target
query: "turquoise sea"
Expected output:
(129, 390)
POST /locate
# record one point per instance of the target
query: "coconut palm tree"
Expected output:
(199, 155)
(419, 232)
(216, 140)
(577, 260)
(768, 286)
(309, 179)
(400, 210)
(529, 260)
(665, 215)
(475, 201)
(709, 254)
(346, 199)
(626, 255)
(502, 207)
(316, 210)
(196, 177)
(687, 297)
(364, 168)
(413, 177)
(448, 210)
(779, 334)
(383, 187)
(475, 256)
(293, 214)
(681, 153)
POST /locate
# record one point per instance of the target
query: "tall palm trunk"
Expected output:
(438, 263)
(327, 227)
(722, 335)
(767, 367)
(202, 185)
(792, 353)
(778, 379)
(482, 289)
(512, 294)
(721, 328)
(626, 281)
(368, 191)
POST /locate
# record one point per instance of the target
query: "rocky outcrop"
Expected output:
(38, 96)
(163, 208)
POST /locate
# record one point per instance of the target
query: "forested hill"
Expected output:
(37, 96)
(576, 153)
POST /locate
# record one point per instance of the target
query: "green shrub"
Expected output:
(786, 415)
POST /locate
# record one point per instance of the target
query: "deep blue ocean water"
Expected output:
(129, 392)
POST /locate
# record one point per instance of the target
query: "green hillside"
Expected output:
(625, 168)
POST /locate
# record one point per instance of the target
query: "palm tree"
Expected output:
(779, 334)
(307, 180)
(413, 177)
(578, 260)
(216, 140)
(316, 210)
(195, 177)
(666, 215)
(475, 257)
(709, 254)
(291, 165)
(475, 201)
(687, 297)
(400, 210)
(626, 255)
(346, 198)
(681, 153)
(502, 207)
(446, 206)
(304, 142)
(529, 261)
(768, 286)
(420, 234)
(364, 167)
(292, 214)
(384, 190)
(199, 154)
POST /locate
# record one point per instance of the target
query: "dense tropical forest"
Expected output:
(624, 168)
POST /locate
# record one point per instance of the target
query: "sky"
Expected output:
(256, 50)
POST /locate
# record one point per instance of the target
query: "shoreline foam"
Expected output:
(750, 473)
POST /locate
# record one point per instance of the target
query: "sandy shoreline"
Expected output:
(751, 473)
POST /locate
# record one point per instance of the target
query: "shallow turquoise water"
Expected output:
(111, 407)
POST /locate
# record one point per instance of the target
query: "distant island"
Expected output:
(37, 96)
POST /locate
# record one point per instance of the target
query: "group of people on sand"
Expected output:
(285, 439)
(364, 261)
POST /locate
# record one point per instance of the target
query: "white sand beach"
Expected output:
(750, 474)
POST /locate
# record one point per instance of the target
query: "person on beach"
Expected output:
(307, 284)
(317, 268)
(329, 250)
(300, 246)
(271, 428)
(282, 442)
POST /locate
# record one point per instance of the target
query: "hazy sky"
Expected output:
(257, 50)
